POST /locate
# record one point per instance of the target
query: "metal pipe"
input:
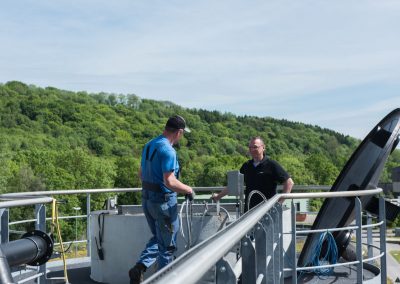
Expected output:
(35, 248)
(25, 250)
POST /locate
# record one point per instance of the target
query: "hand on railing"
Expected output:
(214, 197)
(217, 196)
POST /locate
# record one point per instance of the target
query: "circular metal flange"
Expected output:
(49, 246)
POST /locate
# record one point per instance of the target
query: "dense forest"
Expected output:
(55, 139)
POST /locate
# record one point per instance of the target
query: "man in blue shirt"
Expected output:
(159, 172)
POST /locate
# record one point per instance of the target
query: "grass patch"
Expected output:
(72, 253)
(396, 255)
(299, 245)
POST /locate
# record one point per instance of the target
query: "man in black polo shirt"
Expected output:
(261, 174)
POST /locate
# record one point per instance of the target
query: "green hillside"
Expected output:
(56, 139)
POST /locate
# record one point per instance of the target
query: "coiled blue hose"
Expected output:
(330, 257)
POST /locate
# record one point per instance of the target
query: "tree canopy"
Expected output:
(56, 139)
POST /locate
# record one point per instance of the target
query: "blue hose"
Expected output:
(330, 257)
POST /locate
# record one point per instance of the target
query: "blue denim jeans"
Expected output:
(162, 217)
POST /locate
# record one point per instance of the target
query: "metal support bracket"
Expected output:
(224, 272)
(248, 261)
(4, 229)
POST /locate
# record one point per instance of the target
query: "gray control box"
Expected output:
(235, 183)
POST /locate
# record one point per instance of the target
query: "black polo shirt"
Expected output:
(265, 178)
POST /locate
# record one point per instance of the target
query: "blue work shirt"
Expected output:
(159, 157)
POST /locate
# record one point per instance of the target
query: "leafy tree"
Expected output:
(127, 169)
(323, 170)
(25, 180)
(297, 170)
(8, 170)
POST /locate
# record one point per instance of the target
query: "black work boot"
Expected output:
(136, 273)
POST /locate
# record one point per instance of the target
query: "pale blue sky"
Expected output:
(335, 64)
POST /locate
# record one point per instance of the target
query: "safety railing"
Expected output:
(358, 227)
(42, 197)
(259, 233)
(39, 198)
(267, 217)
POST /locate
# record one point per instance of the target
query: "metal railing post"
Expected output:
(224, 272)
(88, 231)
(382, 233)
(278, 206)
(40, 215)
(276, 242)
(40, 224)
(4, 227)
(248, 260)
(293, 244)
(359, 240)
(269, 230)
(261, 251)
(369, 237)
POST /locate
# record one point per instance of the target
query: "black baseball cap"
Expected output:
(177, 122)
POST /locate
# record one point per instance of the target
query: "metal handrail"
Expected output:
(352, 193)
(67, 192)
(372, 225)
(134, 189)
(327, 265)
(47, 219)
(303, 232)
(24, 202)
(373, 258)
(206, 254)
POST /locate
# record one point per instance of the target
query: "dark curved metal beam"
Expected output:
(361, 172)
